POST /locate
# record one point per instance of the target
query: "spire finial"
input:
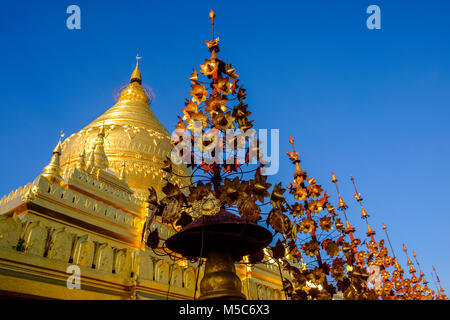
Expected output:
(122, 175)
(81, 164)
(213, 45)
(53, 169)
(136, 75)
(100, 158)
(212, 15)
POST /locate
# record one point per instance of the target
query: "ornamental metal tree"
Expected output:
(314, 244)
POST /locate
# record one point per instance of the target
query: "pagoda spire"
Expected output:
(212, 15)
(136, 75)
(134, 91)
(122, 175)
(81, 164)
(364, 215)
(440, 289)
(53, 169)
(100, 159)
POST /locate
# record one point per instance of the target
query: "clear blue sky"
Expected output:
(374, 104)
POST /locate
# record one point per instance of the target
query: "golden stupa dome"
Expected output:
(134, 141)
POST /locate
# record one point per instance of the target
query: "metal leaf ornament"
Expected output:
(153, 239)
(249, 210)
(278, 250)
(232, 192)
(198, 93)
(172, 211)
(259, 187)
(277, 198)
(256, 257)
(278, 221)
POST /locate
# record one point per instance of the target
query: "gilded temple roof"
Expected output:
(135, 142)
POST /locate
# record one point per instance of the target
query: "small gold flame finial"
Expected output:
(333, 177)
(212, 15)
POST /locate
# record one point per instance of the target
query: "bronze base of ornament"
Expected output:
(220, 281)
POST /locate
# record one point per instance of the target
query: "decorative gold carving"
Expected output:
(262, 293)
(146, 266)
(162, 271)
(35, 239)
(105, 258)
(122, 263)
(189, 277)
(84, 251)
(10, 229)
(60, 245)
(177, 276)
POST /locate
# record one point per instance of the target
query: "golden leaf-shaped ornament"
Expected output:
(230, 71)
(240, 111)
(232, 192)
(277, 198)
(297, 210)
(307, 225)
(171, 211)
(259, 187)
(301, 194)
(213, 45)
(311, 248)
(190, 110)
(241, 95)
(194, 77)
(223, 86)
(215, 104)
(249, 210)
(199, 191)
(339, 225)
(315, 190)
(342, 206)
(198, 93)
(315, 206)
(197, 119)
(222, 120)
(152, 196)
(326, 224)
(209, 67)
(278, 221)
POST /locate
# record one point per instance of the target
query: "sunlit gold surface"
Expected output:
(134, 140)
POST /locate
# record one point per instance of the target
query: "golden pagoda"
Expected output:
(88, 209)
